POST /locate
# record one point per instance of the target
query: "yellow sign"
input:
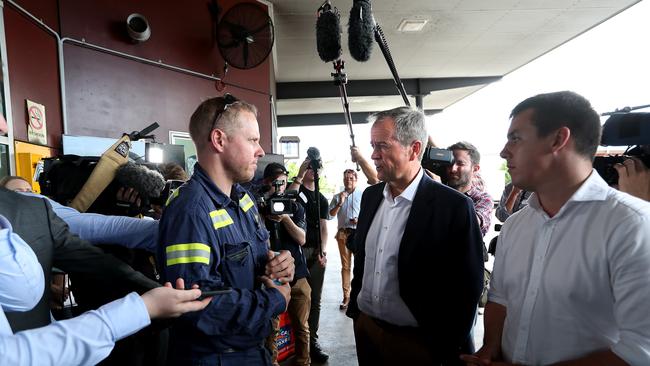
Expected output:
(36, 127)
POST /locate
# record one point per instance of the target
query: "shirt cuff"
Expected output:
(126, 315)
(278, 301)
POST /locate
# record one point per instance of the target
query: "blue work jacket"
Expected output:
(213, 240)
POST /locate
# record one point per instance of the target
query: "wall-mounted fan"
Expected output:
(245, 35)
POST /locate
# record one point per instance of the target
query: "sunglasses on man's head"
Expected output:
(228, 100)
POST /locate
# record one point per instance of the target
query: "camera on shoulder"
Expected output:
(278, 203)
(437, 160)
(624, 129)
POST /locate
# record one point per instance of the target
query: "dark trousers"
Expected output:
(316, 278)
(380, 343)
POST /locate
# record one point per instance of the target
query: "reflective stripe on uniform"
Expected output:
(188, 253)
(172, 196)
(220, 218)
(246, 203)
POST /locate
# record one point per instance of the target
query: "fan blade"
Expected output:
(245, 54)
(261, 28)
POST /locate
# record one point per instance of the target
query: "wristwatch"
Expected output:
(297, 180)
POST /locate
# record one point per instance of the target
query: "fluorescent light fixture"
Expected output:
(412, 25)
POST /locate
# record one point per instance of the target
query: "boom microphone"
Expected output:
(361, 29)
(328, 33)
(314, 156)
(147, 182)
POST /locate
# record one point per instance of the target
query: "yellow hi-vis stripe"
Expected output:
(246, 203)
(172, 196)
(188, 253)
(220, 218)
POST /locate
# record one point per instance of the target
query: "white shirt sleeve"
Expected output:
(21, 275)
(84, 340)
(630, 273)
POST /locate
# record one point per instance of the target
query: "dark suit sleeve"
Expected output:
(461, 282)
(359, 257)
(74, 255)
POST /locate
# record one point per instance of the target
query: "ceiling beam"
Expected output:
(324, 119)
(379, 87)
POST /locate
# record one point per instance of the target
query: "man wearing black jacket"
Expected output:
(33, 219)
(416, 240)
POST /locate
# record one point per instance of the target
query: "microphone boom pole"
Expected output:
(341, 80)
(383, 45)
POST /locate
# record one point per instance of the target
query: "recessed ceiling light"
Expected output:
(411, 25)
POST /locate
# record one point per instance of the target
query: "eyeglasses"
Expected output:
(228, 100)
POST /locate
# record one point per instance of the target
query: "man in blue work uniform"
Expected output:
(211, 235)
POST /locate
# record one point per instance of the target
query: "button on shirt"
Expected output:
(349, 210)
(380, 293)
(577, 282)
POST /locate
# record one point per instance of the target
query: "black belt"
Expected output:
(389, 326)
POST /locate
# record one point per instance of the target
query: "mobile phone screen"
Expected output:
(208, 293)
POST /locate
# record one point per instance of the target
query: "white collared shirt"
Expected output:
(380, 294)
(578, 282)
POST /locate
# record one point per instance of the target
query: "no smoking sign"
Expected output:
(36, 126)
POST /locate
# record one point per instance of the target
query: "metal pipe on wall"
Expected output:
(83, 43)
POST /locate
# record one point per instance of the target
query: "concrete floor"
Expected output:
(336, 335)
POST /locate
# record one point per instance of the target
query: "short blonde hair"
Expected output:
(219, 112)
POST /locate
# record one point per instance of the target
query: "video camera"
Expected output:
(278, 203)
(624, 129)
(437, 160)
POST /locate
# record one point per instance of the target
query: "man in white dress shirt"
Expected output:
(571, 281)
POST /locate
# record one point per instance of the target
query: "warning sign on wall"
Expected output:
(36, 127)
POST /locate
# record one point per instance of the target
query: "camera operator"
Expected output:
(634, 178)
(461, 176)
(287, 231)
(316, 220)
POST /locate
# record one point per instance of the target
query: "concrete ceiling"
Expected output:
(461, 39)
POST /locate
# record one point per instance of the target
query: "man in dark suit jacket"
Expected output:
(418, 273)
(33, 220)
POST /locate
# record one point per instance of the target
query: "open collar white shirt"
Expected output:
(578, 282)
(380, 294)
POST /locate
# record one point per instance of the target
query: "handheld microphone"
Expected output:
(328, 33)
(148, 183)
(361, 29)
(314, 156)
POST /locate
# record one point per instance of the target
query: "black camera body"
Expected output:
(624, 129)
(278, 203)
(437, 160)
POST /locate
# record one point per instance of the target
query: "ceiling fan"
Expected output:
(245, 35)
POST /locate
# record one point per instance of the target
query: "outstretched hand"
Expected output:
(166, 302)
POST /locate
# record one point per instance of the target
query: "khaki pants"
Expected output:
(299, 313)
(298, 310)
(346, 262)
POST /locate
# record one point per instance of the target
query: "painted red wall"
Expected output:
(33, 69)
(107, 95)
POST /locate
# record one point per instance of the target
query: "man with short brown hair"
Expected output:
(212, 236)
